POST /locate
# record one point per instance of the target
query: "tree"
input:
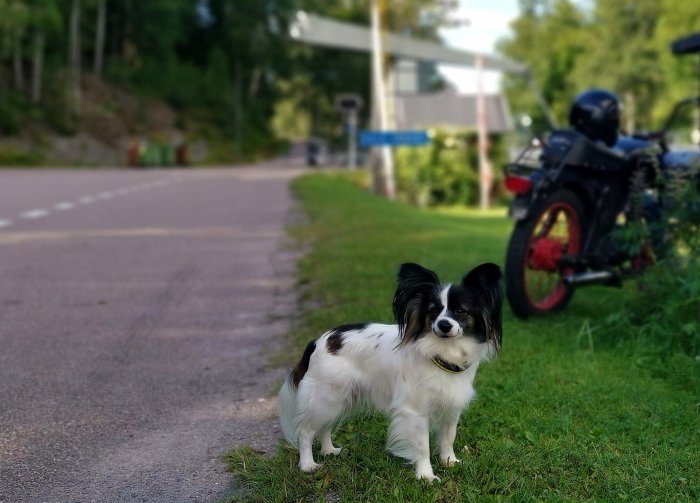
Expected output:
(548, 39)
(15, 25)
(100, 37)
(679, 74)
(74, 58)
(45, 19)
(621, 55)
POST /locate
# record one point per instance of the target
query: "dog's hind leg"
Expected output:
(306, 457)
(327, 446)
(323, 408)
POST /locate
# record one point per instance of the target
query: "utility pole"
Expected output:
(380, 99)
(485, 171)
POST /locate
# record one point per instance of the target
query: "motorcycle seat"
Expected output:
(629, 145)
(573, 148)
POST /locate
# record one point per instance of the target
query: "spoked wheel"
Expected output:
(534, 274)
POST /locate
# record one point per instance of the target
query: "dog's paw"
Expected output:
(309, 467)
(335, 451)
(425, 472)
(450, 460)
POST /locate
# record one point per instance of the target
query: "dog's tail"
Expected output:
(287, 409)
(287, 405)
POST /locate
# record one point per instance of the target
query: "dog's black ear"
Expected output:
(416, 285)
(485, 275)
(410, 273)
(486, 280)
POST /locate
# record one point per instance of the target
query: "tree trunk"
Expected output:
(38, 67)
(17, 61)
(128, 31)
(74, 58)
(100, 37)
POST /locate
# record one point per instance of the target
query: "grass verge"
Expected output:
(556, 418)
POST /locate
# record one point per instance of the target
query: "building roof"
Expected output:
(451, 111)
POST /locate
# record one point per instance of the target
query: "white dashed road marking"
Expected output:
(107, 194)
(32, 214)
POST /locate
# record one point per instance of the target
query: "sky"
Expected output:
(488, 21)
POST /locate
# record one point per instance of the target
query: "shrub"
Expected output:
(662, 310)
(13, 111)
(14, 157)
(445, 172)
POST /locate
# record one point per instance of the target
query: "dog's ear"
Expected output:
(485, 275)
(486, 280)
(416, 285)
(410, 273)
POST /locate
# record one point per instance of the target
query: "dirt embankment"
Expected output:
(111, 120)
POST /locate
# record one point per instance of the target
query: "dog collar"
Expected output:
(447, 366)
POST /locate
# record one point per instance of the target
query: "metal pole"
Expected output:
(485, 172)
(380, 97)
(352, 139)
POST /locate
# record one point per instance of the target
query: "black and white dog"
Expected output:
(419, 371)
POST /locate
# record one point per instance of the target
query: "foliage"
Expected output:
(230, 63)
(570, 46)
(548, 38)
(446, 171)
(12, 110)
(683, 196)
(553, 421)
(13, 157)
(670, 329)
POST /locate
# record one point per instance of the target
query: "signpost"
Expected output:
(394, 138)
(349, 105)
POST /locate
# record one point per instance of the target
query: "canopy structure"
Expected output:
(321, 31)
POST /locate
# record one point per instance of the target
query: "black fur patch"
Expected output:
(334, 343)
(303, 365)
(417, 288)
(481, 297)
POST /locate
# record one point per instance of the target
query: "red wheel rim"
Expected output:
(556, 233)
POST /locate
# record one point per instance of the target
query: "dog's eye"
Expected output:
(459, 311)
(433, 311)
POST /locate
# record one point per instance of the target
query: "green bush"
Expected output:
(662, 308)
(445, 172)
(14, 109)
(14, 157)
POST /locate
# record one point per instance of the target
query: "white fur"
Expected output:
(401, 381)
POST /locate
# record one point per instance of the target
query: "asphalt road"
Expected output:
(136, 312)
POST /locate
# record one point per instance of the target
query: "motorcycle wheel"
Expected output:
(534, 278)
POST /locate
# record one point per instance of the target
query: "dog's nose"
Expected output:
(444, 326)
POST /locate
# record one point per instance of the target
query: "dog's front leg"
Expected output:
(446, 435)
(409, 438)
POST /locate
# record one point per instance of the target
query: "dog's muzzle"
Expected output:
(444, 329)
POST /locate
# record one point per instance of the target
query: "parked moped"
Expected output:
(580, 190)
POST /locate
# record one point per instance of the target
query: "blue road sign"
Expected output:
(393, 138)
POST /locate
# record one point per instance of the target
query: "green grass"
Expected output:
(556, 417)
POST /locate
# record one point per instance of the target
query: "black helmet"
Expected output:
(596, 114)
